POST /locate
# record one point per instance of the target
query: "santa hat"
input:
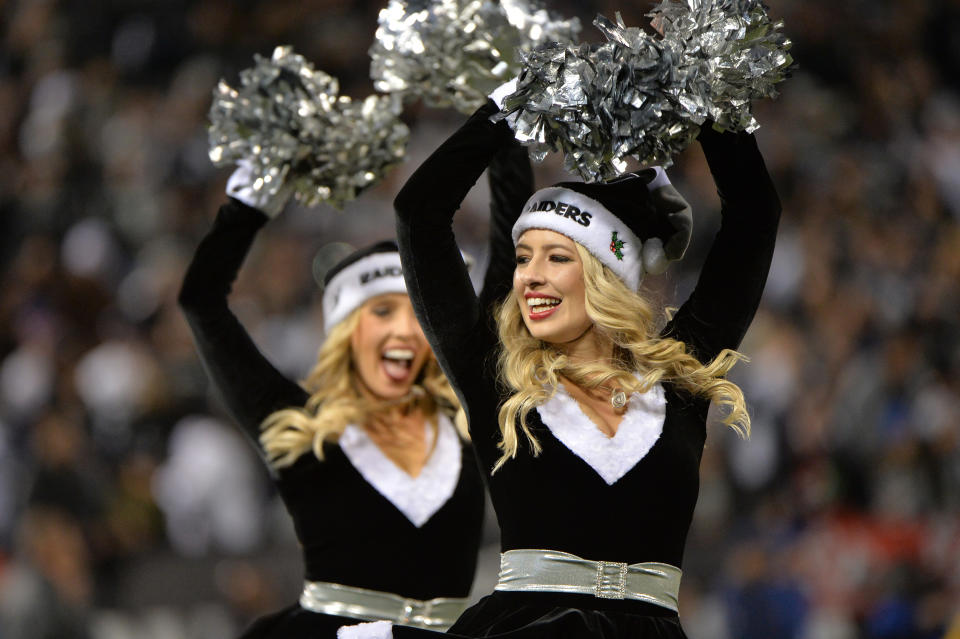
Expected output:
(635, 224)
(363, 274)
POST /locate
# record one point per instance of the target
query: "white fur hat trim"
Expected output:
(587, 222)
(372, 275)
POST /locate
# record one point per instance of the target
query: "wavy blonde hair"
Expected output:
(335, 401)
(532, 368)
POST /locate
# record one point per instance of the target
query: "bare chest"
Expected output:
(598, 408)
(407, 441)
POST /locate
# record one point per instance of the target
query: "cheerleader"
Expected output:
(383, 490)
(587, 413)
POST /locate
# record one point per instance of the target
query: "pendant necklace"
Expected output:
(618, 398)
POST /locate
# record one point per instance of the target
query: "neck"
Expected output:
(390, 409)
(385, 417)
(590, 346)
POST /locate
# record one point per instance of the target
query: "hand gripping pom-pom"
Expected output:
(645, 97)
(289, 122)
(455, 52)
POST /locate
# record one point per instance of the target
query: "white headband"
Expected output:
(372, 275)
(589, 223)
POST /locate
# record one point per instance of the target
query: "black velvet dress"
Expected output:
(350, 530)
(640, 511)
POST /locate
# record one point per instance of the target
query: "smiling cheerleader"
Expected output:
(586, 408)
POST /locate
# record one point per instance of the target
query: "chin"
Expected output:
(540, 334)
(395, 393)
(546, 334)
(557, 336)
(385, 391)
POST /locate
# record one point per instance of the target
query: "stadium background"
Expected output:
(130, 507)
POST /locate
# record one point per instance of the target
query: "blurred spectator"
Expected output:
(129, 508)
(209, 490)
(47, 591)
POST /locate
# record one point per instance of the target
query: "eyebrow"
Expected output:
(545, 247)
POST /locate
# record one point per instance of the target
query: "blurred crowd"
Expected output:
(131, 507)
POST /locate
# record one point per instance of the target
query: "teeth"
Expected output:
(542, 301)
(399, 353)
(541, 304)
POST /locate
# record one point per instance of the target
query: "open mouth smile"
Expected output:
(398, 363)
(541, 306)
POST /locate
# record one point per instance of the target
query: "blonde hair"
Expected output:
(335, 401)
(532, 368)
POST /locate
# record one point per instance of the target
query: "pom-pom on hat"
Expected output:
(363, 274)
(634, 224)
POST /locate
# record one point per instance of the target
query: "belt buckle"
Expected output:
(409, 608)
(611, 580)
(417, 612)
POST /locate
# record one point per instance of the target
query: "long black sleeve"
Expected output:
(248, 383)
(454, 320)
(437, 280)
(511, 185)
(731, 282)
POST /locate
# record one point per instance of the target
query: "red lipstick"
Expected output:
(546, 309)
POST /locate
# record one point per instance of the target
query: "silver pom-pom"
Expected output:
(455, 52)
(289, 122)
(644, 96)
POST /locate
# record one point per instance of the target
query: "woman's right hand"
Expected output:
(240, 187)
(502, 91)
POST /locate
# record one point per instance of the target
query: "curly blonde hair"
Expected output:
(335, 401)
(532, 368)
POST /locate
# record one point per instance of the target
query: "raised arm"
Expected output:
(436, 277)
(721, 307)
(511, 185)
(249, 384)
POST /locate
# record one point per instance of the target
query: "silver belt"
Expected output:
(374, 605)
(530, 570)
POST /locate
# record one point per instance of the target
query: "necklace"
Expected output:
(618, 398)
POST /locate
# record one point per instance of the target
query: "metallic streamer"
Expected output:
(288, 120)
(455, 52)
(645, 96)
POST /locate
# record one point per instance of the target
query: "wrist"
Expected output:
(501, 92)
(245, 186)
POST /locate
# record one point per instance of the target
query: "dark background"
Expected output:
(129, 507)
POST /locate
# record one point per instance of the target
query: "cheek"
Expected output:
(518, 290)
(573, 284)
(356, 352)
(363, 340)
(576, 296)
(356, 339)
(422, 362)
(418, 331)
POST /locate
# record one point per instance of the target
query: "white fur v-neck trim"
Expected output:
(610, 457)
(420, 497)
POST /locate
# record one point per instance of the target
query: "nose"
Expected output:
(406, 324)
(531, 274)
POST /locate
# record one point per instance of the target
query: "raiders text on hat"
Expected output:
(361, 276)
(564, 209)
(389, 271)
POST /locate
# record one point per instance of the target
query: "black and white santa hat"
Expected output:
(363, 274)
(635, 224)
